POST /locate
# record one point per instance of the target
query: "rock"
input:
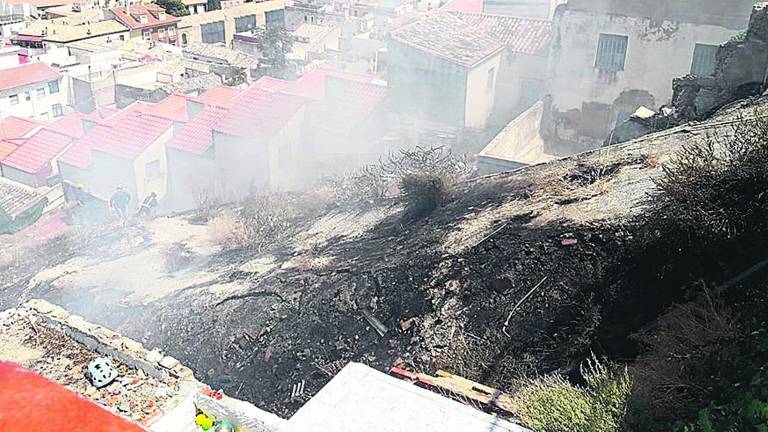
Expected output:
(154, 356)
(133, 346)
(41, 306)
(169, 362)
(58, 312)
(91, 391)
(76, 321)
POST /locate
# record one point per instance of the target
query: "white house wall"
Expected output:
(480, 98)
(657, 52)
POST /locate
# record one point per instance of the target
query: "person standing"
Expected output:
(148, 205)
(119, 203)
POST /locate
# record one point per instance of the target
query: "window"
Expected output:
(56, 110)
(53, 87)
(491, 76)
(611, 52)
(27, 96)
(245, 23)
(161, 33)
(152, 170)
(704, 60)
(213, 32)
(145, 34)
(122, 37)
(276, 17)
(40, 93)
(14, 99)
(183, 39)
(530, 92)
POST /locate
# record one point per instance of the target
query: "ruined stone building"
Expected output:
(610, 57)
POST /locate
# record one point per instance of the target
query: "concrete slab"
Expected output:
(363, 399)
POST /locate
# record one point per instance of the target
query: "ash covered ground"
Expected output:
(454, 290)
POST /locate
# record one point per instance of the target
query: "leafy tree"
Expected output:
(173, 7)
(274, 42)
(213, 5)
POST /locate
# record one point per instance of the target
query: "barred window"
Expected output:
(611, 52)
(704, 60)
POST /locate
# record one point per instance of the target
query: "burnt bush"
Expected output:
(717, 190)
(423, 193)
(385, 178)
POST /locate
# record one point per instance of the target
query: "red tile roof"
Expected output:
(197, 136)
(38, 151)
(26, 74)
(173, 107)
(446, 36)
(15, 127)
(219, 95)
(271, 84)
(348, 104)
(137, 9)
(70, 125)
(520, 35)
(258, 113)
(312, 84)
(6, 148)
(125, 138)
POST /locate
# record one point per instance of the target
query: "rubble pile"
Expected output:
(30, 339)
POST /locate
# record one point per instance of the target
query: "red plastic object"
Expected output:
(30, 402)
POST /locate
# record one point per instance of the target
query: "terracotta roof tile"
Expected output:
(520, 35)
(6, 148)
(271, 84)
(173, 107)
(15, 197)
(218, 95)
(38, 151)
(197, 136)
(25, 74)
(15, 127)
(150, 12)
(446, 36)
(125, 135)
(312, 84)
(259, 113)
(70, 125)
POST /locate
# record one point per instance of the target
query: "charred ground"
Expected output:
(454, 289)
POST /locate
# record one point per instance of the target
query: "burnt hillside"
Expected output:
(522, 272)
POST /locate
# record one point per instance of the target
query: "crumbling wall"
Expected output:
(740, 72)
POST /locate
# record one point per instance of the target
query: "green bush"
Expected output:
(552, 404)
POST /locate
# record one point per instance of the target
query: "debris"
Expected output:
(509, 317)
(215, 394)
(169, 362)
(406, 324)
(380, 328)
(297, 390)
(568, 242)
(100, 373)
(459, 386)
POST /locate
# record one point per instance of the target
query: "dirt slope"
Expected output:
(444, 286)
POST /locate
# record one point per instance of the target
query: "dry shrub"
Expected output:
(674, 378)
(423, 193)
(716, 189)
(227, 231)
(384, 178)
